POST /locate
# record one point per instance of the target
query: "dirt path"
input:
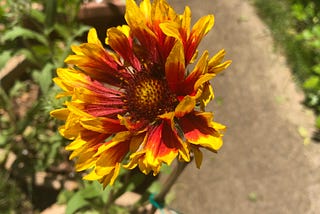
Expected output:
(264, 166)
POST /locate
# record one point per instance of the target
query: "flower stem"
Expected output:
(160, 197)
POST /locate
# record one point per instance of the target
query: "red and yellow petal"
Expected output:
(120, 43)
(175, 67)
(171, 29)
(185, 106)
(109, 158)
(199, 130)
(136, 16)
(85, 159)
(84, 137)
(206, 94)
(137, 22)
(120, 137)
(144, 23)
(181, 31)
(199, 30)
(68, 79)
(72, 127)
(102, 125)
(77, 120)
(137, 141)
(60, 114)
(189, 85)
(106, 176)
(93, 38)
(161, 145)
(94, 60)
(84, 148)
(202, 80)
(98, 104)
(185, 23)
(215, 66)
(97, 63)
(161, 11)
(95, 98)
(145, 8)
(198, 156)
(133, 126)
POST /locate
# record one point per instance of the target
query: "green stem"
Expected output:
(160, 197)
(109, 201)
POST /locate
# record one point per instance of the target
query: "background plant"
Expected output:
(42, 32)
(295, 25)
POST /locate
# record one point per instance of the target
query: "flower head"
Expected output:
(137, 105)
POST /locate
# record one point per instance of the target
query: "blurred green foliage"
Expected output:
(42, 31)
(91, 198)
(295, 25)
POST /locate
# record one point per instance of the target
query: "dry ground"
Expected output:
(267, 164)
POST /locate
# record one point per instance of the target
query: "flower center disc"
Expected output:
(147, 97)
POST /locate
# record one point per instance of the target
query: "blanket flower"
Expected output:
(135, 103)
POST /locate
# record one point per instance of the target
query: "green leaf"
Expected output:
(17, 88)
(50, 11)
(105, 193)
(297, 11)
(312, 82)
(44, 77)
(62, 30)
(79, 31)
(3, 139)
(37, 15)
(4, 57)
(316, 69)
(90, 191)
(64, 196)
(25, 121)
(307, 34)
(312, 100)
(28, 54)
(24, 33)
(53, 152)
(75, 203)
(118, 209)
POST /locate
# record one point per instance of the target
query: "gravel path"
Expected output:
(267, 164)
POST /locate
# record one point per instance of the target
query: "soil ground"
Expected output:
(268, 163)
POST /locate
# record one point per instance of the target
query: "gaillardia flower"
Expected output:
(137, 103)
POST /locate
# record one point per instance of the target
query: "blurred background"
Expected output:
(269, 98)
